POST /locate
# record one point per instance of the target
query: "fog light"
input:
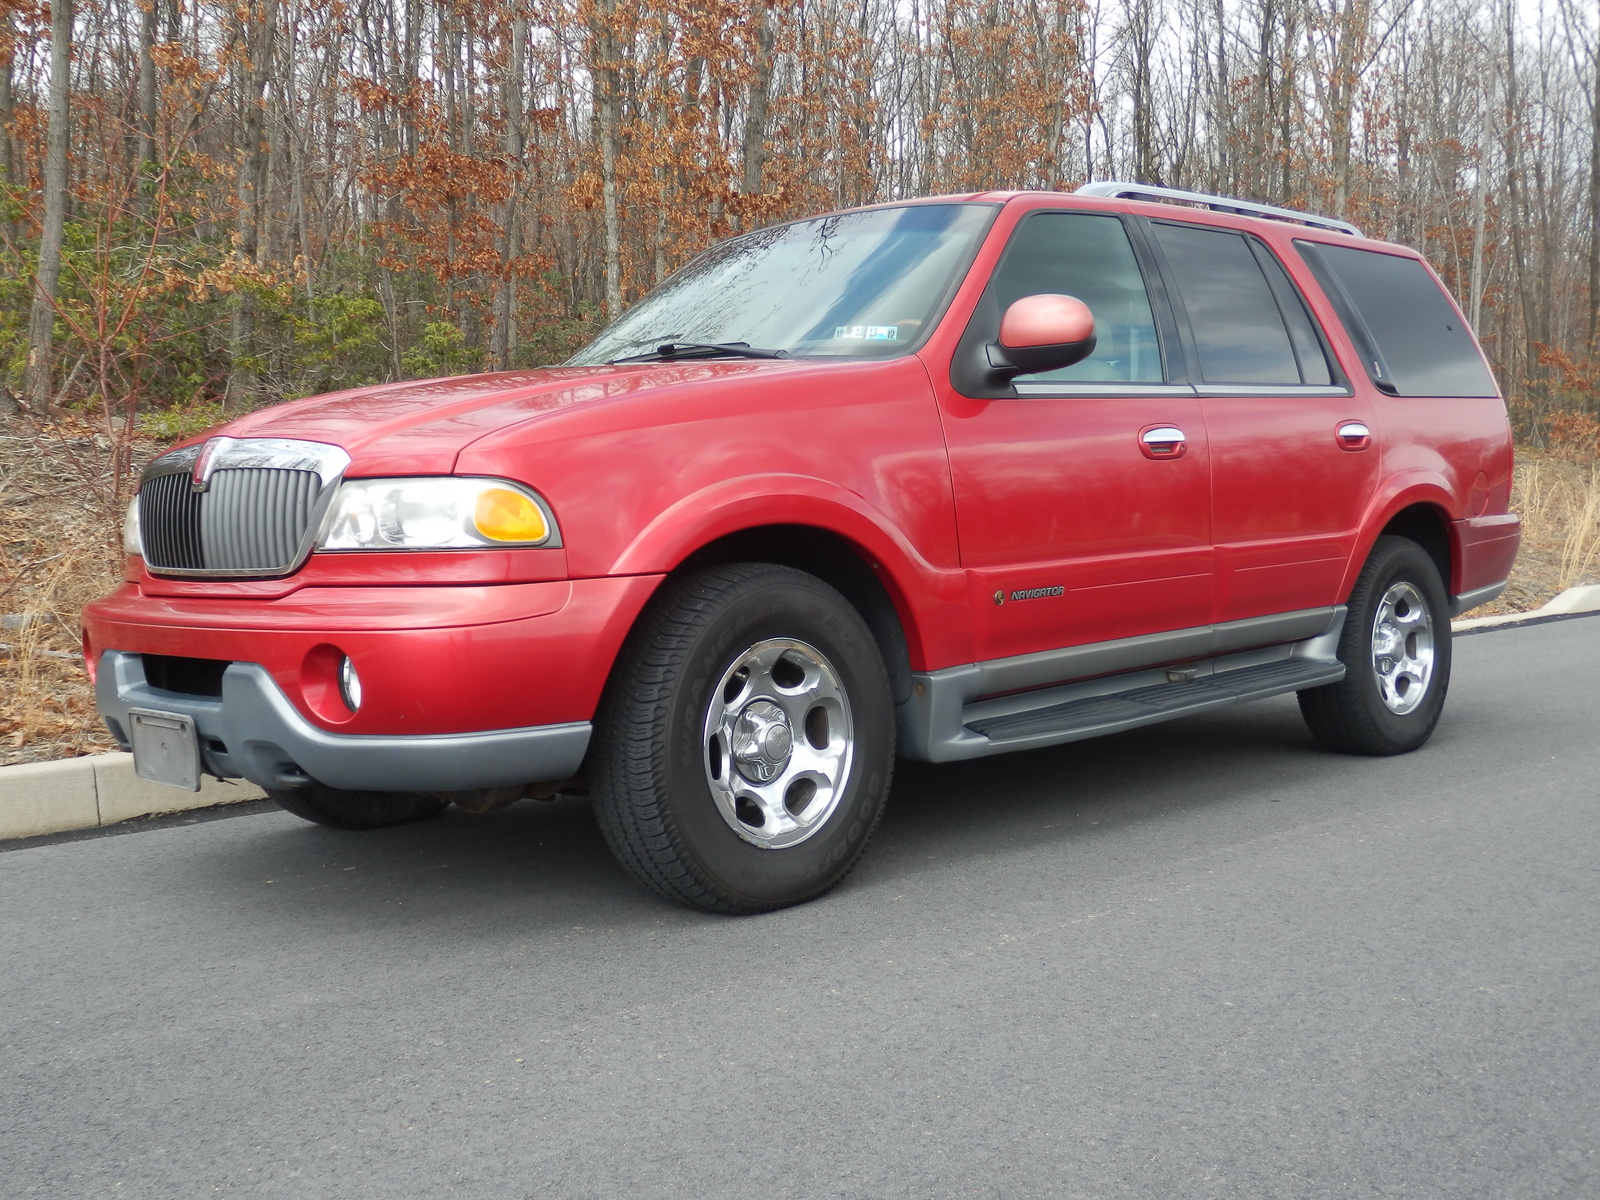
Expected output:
(349, 684)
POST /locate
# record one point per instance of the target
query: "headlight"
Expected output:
(131, 542)
(438, 513)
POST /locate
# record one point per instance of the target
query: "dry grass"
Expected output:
(1559, 500)
(59, 549)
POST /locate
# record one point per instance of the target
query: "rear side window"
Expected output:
(1239, 328)
(1307, 344)
(1416, 343)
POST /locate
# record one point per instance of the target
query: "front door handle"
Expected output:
(1163, 441)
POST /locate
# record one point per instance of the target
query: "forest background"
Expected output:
(210, 205)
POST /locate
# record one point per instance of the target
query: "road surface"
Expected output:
(1204, 959)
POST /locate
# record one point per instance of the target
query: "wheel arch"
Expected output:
(1417, 508)
(1429, 526)
(814, 526)
(839, 562)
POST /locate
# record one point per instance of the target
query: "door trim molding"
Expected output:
(1128, 654)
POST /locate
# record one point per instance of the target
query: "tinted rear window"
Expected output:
(1420, 344)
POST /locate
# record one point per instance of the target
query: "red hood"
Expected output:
(420, 427)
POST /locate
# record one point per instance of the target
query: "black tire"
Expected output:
(1353, 716)
(665, 779)
(339, 808)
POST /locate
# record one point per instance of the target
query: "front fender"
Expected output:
(931, 601)
(752, 500)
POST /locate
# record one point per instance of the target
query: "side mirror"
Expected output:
(1042, 333)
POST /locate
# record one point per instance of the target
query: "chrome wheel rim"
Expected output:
(777, 743)
(1402, 648)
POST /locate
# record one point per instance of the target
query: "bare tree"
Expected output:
(254, 32)
(41, 321)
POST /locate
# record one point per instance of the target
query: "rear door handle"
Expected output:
(1353, 435)
(1162, 441)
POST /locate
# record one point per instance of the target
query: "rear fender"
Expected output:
(1404, 491)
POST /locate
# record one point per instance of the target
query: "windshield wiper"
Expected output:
(668, 351)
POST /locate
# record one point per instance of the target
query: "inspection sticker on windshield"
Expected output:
(868, 333)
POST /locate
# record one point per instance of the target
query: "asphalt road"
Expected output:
(1200, 960)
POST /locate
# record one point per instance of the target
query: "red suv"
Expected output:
(944, 479)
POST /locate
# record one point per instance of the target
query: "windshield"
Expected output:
(859, 284)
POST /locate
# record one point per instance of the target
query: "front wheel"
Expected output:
(1396, 651)
(744, 747)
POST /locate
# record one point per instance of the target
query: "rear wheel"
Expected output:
(339, 808)
(744, 748)
(1396, 651)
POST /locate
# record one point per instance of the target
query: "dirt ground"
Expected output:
(60, 546)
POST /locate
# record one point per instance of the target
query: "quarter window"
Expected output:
(1416, 343)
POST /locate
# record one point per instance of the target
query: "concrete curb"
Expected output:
(1584, 599)
(101, 789)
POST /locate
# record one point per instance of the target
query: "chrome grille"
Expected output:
(251, 513)
(247, 520)
(169, 523)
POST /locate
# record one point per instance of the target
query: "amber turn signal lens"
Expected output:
(506, 516)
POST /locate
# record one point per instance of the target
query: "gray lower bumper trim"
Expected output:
(255, 732)
(1470, 600)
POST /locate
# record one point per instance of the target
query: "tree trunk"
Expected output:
(1516, 219)
(605, 54)
(8, 105)
(41, 321)
(1261, 106)
(754, 151)
(1226, 177)
(1140, 34)
(257, 33)
(1480, 214)
(1351, 29)
(1594, 202)
(1286, 96)
(8, 50)
(505, 332)
(147, 88)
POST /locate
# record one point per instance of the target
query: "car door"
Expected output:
(1294, 461)
(1082, 495)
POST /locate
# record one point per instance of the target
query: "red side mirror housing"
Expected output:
(1043, 333)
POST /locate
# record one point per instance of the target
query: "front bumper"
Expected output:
(464, 687)
(253, 731)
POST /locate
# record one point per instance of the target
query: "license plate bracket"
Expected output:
(166, 748)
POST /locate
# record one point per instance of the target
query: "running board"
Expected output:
(947, 717)
(1094, 715)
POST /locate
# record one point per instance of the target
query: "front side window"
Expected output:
(863, 284)
(1239, 331)
(1088, 256)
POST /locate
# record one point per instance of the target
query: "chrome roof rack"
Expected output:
(1243, 208)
